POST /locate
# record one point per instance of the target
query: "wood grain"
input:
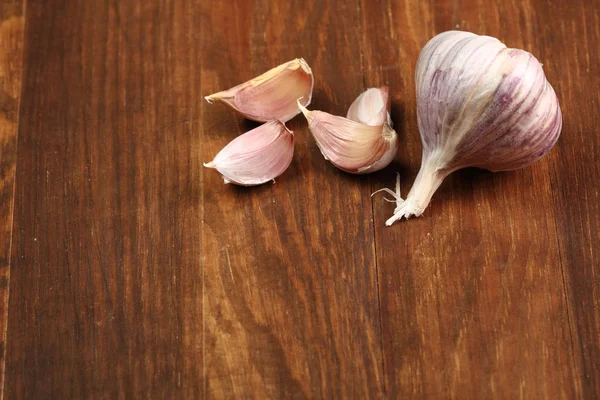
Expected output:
(136, 273)
(575, 175)
(481, 279)
(290, 279)
(11, 56)
(106, 294)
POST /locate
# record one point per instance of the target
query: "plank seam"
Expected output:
(364, 86)
(566, 297)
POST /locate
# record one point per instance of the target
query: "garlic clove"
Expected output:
(273, 94)
(349, 145)
(257, 156)
(371, 107)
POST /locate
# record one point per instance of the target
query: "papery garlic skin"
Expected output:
(479, 104)
(352, 146)
(483, 104)
(257, 156)
(273, 94)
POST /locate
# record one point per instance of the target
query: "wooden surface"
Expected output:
(12, 22)
(135, 273)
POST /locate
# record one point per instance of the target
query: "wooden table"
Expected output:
(129, 271)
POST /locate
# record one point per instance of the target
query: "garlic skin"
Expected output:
(371, 107)
(479, 104)
(257, 156)
(273, 94)
(362, 143)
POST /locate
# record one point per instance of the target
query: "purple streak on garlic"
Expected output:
(273, 94)
(257, 156)
(362, 143)
(479, 104)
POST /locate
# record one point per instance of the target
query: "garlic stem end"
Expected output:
(428, 180)
(305, 111)
(219, 96)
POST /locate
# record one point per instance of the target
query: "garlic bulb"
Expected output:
(273, 94)
(257, 156)
(362, 143)
(479, 104)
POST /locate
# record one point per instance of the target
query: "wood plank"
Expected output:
(290, 276)
(106, 269)
(11, 55)
(473, 297)
(135, 273)
(576, 172)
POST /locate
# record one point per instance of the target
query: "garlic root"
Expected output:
(428, 180)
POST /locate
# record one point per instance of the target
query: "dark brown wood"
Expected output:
(484, 280)
(290, 278)
(575, 173)
(12, 22)
(135, 272)
(107, 260)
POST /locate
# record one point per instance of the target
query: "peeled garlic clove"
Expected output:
(351, 146)
(257, 156)
(479, 104)
(273, 94)
(372, 107)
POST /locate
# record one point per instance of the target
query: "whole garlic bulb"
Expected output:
(479, 104)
